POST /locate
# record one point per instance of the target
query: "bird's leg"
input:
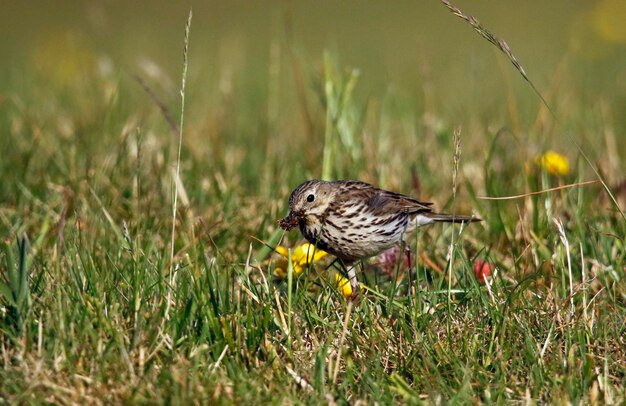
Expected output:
(354, 282)
(407, 252)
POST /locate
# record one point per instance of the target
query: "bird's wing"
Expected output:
(382, 202)
(378, 201)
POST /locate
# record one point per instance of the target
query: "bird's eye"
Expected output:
(310, 198)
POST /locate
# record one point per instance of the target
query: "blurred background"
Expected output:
(397, 46)
(256, 73)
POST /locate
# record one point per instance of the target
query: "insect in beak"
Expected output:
(290, 221)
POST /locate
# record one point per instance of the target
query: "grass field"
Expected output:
(109, 297)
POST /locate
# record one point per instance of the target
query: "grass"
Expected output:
(89, 173)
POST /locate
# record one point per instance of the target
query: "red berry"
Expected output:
(482, 271)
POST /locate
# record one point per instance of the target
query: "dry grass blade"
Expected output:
(455, 171)
(300, 381)
(565, 241)
(172, 277)
(165, 112)
(342, 337)
(552, 189)
(498, 42)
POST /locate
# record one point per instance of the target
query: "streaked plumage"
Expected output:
(352, 219)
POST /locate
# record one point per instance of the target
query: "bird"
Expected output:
(354, 220)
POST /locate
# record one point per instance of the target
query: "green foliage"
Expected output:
(14, 288)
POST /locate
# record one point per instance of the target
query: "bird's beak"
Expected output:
(289, 222)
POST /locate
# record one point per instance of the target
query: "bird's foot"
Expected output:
(356, 294)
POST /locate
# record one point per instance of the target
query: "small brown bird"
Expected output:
(353, 220)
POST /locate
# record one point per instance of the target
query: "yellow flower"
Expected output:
(554, 163)
(343, 284)
(301, 256)
(608, 20)
(63, 58)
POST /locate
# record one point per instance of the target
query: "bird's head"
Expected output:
(308, 203)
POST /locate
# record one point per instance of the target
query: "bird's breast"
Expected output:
(361, 235)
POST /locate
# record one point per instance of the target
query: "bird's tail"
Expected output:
(426, 218)
(452, 218)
